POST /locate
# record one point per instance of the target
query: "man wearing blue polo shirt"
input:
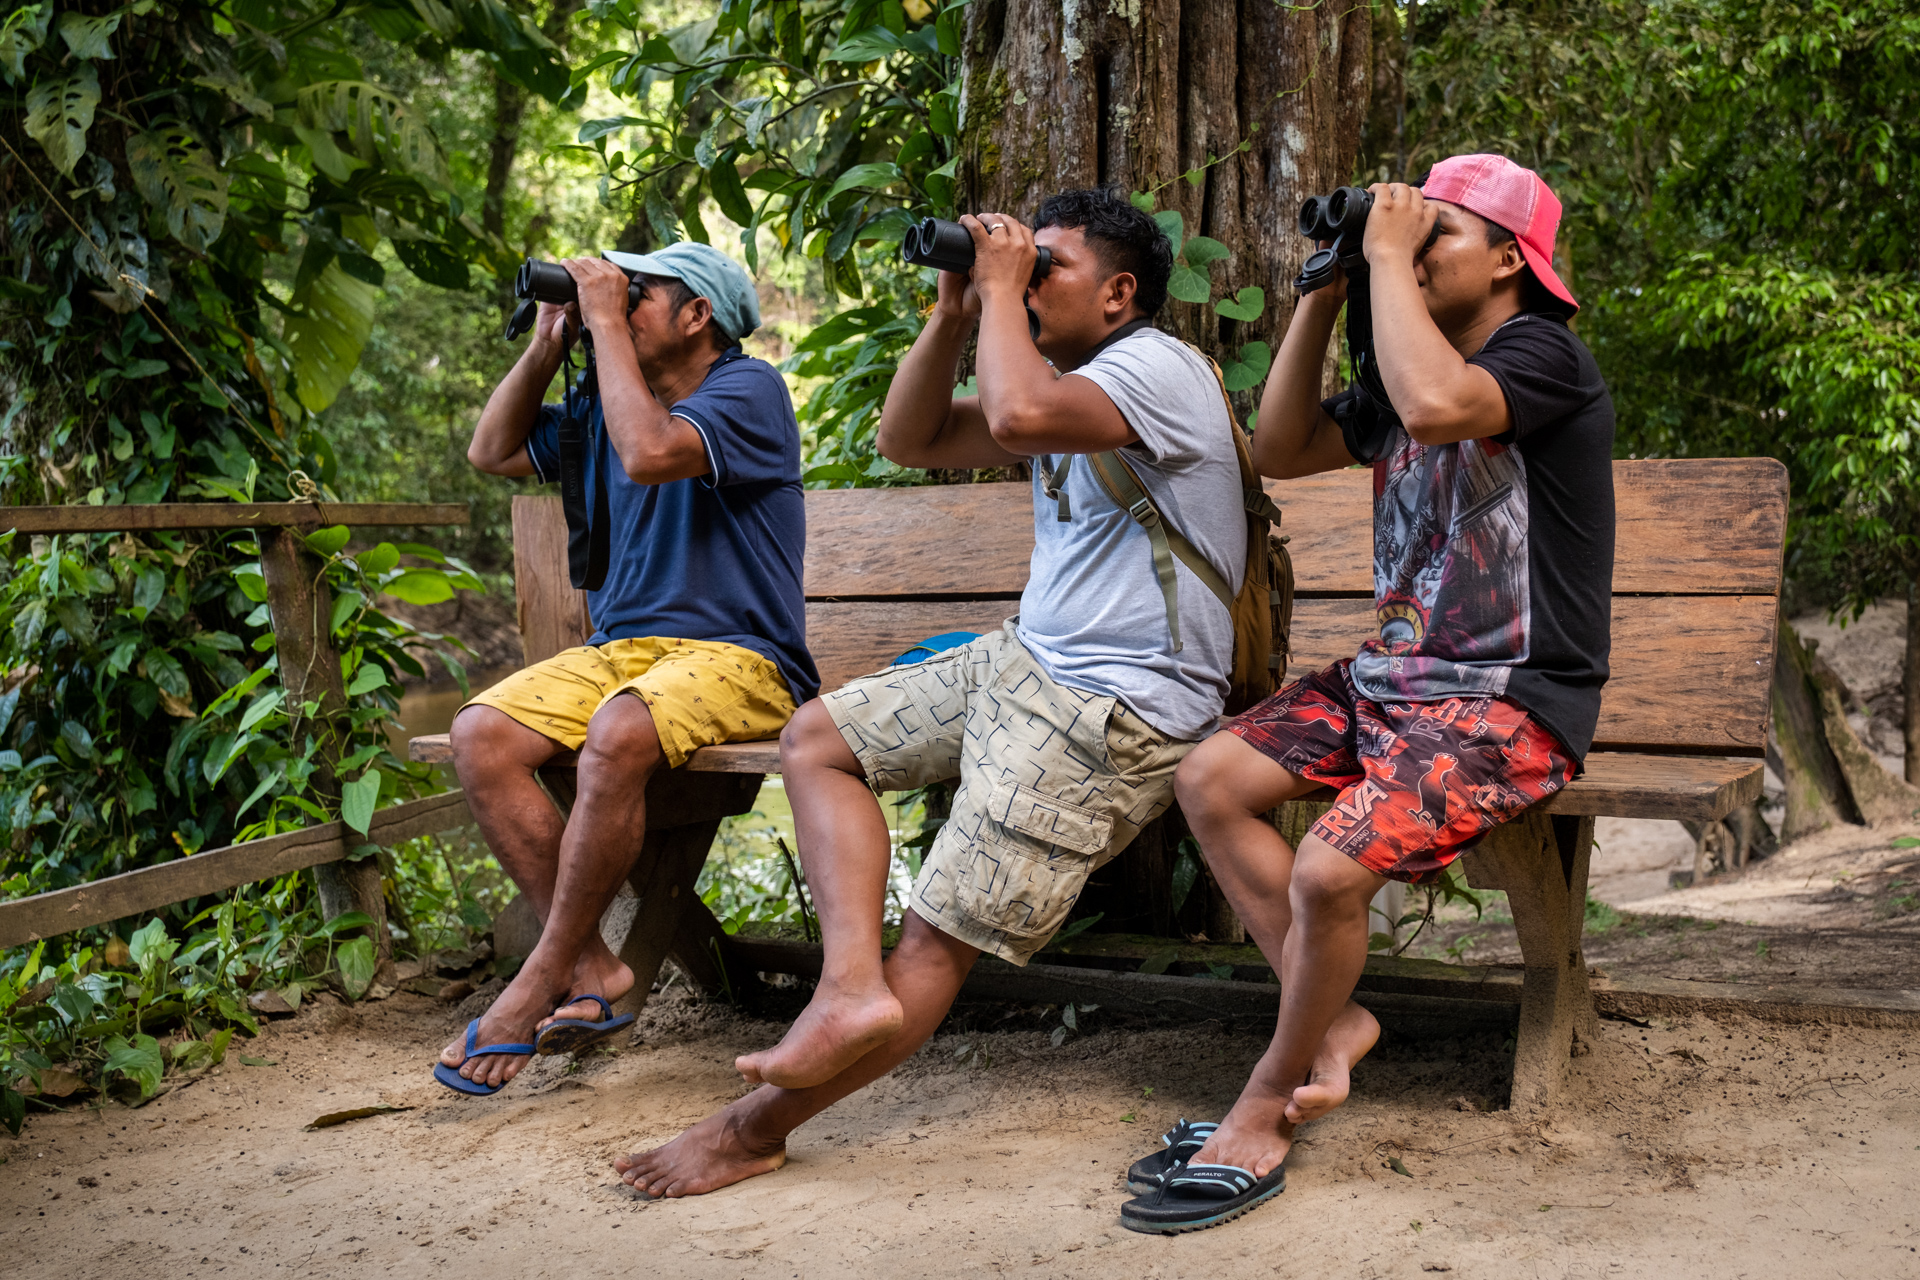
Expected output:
(700, 617)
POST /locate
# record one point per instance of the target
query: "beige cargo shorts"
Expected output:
(1053, 783)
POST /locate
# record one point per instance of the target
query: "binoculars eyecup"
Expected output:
(947, 246)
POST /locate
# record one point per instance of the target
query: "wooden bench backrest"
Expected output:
(1696, 585)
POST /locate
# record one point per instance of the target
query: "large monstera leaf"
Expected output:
(377, 124)
(59, 113)
(333, 317)
(178, 176)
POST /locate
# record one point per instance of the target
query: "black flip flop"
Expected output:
(1199, 1196)
(1180, 1144)
(570, 1035)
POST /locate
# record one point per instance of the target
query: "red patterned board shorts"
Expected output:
(1420, 782)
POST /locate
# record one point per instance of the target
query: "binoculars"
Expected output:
(536, 282)
(947, 246)
(1341, 218)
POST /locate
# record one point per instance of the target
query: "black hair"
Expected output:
(1125, 238)
(1534, 296)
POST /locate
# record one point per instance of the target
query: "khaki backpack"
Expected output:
(1263, 610)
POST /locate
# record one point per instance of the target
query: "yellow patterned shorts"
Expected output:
(1054, 782)
(701, 692)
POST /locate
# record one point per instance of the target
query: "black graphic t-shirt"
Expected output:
(1493, 558)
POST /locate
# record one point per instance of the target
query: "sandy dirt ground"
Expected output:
(1698, 1148)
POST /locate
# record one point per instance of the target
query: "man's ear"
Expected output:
(1120, 294)
(1512, 262)
(696, 315)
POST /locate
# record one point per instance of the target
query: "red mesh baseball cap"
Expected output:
(1518, 199)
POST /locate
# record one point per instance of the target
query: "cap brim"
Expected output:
(644, 263)
(1543, 271)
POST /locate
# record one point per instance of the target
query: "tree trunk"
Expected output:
(1817, 795)
(1910, 683)
(1089, 93)
(1879, 796)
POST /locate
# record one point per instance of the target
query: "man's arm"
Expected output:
(921, 424)
(1295, 436)
(1440, 398)
(499, 445)
(1029, 409)
(654, 446)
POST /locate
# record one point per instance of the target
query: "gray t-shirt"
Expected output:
(1092, 613)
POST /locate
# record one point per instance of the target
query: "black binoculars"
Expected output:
(536, 282)
(947, 246)
(1340, 218)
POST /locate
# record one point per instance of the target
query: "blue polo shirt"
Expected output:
(713, 557)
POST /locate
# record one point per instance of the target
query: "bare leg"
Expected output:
(844, 844)
(1321, 960)
(749, 1137)
(1226, 788)
(597, 849)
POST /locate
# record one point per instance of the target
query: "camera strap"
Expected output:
(588, 535)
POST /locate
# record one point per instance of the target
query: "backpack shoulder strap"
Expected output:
(1124, 487)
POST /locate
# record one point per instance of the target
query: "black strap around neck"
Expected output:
(1124, 332)
(588, 535)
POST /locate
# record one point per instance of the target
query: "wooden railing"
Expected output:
(297, 600)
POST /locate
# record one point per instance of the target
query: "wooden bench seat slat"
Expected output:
(1617, 783)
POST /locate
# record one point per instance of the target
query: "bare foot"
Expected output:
(715, 1153)
(1255, 1135)
(602, 975)
(509, 1020)
(834, 1031)
(1353, 1033)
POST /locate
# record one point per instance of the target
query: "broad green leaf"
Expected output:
(262, 707)
(379, 560)
(1174, 225)
(1185, 872)
(866, 46)
(329, 328)
(139, 1060)
(420, 586)
(328, 541)
(1248, 306)
(59, 113)
(378, 126)
(88, 37)
(1202, 250)
(165, 670)
(22, 31)
(1189, 285)
(357, 799)
(601, 128)
(366, 680)
(238, 89)
(724, 180)
(434, 263)
(151, 948)
(180, 177)
(144, 369)
(865, 175)
(344, 921)
(1256, 358)
(75, 735)
(356, 966)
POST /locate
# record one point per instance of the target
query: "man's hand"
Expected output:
(1398, 225)
(603, 294)
(1003, 256)
(957, 298)
(551, 324)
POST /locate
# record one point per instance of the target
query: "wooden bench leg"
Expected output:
(1541, 862)
(663, 880)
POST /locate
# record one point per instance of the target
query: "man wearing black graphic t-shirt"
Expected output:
(1493, 567)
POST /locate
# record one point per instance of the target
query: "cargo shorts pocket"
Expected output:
(1027, 870)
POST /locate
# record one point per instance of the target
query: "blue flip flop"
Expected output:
(451, 1077)
(570, 1035)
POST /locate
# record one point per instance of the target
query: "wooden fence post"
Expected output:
(301, 607)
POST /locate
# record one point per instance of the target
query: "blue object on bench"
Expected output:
(935, 644)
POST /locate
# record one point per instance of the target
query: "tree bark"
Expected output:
(300, 606)
(1879, 796)
(1910, 683)
(1090, 93)
(1817, 794)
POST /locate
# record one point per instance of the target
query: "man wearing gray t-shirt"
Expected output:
(1064, 727)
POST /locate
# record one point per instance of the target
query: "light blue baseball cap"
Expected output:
(710, 273)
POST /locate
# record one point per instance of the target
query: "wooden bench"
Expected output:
(1683, 724)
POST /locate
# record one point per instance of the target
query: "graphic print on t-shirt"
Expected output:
(1449, 569)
